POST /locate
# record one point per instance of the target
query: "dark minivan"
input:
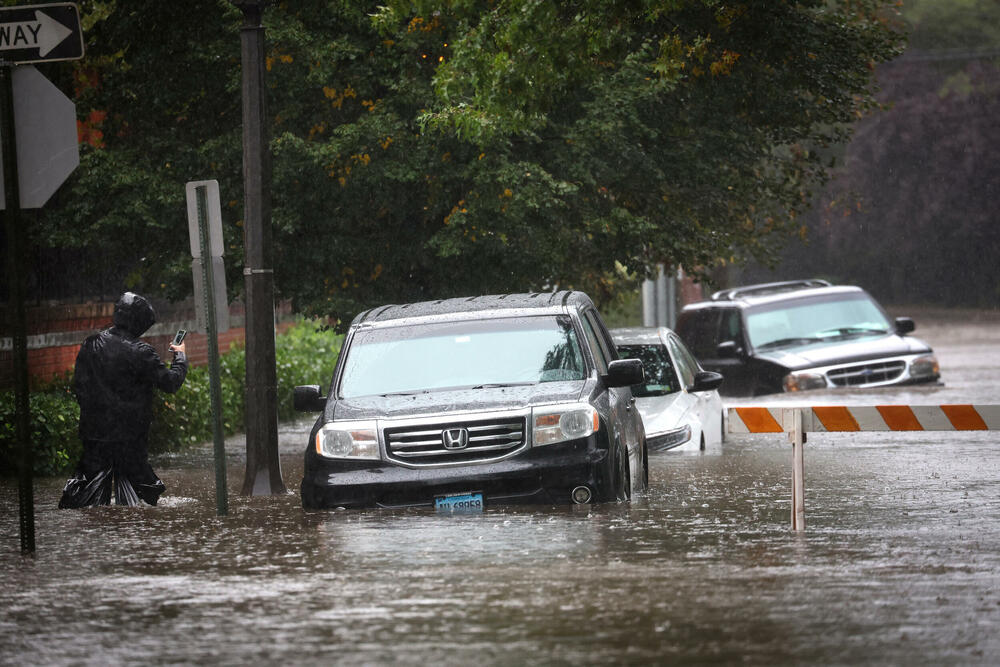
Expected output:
(801, 335)
(460, 404)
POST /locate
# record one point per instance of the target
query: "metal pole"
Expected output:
(19, 327)
(798, 437)
(212, 339)
(263, 475)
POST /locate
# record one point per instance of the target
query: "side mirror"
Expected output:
(905, 325)
(706, 381)
(729, 350)
(307, 398)
(625, 373)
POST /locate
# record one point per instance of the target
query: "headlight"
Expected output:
(669, 439)
(348, 440)
(803, 381)
(559, 423)
(926, 366)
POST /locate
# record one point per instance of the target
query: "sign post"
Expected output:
(36, 158)
(205, 224)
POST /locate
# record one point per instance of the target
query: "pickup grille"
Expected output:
(424, 445)
(874, 373)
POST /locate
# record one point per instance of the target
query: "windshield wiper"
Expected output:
(850, 332)
(782, 342)
(494, 385)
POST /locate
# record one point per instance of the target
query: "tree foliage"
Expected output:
(910, 213)
(434, 149)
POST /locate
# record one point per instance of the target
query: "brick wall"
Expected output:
(56, 331)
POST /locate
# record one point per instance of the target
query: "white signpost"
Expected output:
(45, 132)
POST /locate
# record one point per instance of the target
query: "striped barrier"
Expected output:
(868, 418)
(797, 421)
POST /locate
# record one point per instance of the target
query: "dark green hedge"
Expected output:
(305, 354)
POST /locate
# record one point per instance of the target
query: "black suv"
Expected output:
(803, 334)
(463, 403)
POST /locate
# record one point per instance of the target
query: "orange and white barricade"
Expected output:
(797, 421)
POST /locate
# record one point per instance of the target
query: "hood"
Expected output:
(844, 351)
(134, 314)
(459, 400)
(661, 413)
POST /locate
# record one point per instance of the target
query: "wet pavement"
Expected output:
(899, 563)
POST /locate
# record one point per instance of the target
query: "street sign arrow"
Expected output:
(40, 33)
(43, 33)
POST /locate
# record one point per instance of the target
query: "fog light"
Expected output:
(581, 495)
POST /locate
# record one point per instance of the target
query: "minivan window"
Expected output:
(595, 344)
(452, 355)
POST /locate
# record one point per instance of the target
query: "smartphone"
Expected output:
(179, 338)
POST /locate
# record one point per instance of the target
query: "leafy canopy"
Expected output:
(433, 149)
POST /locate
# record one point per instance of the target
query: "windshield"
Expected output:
(661, 378)
(838, 316)
(428, 357)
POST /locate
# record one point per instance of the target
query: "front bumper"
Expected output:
(542, 475)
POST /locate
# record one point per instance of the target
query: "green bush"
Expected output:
(305, 354)
(54, 419)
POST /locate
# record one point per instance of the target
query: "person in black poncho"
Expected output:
(114, 380)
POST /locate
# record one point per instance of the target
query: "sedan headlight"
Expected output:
(669, 439)
(925, 366)
(348, 440)
(803, 381)
(559, 423)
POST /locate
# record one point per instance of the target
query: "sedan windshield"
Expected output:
(661, 378)
(801, 322)
(471, 354)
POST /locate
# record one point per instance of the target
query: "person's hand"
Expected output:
(178, 348)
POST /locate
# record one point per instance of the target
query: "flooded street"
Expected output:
(899, 562)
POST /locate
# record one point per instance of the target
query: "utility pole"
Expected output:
(263, 476)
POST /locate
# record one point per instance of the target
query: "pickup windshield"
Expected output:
(468, 354)
(816, 320)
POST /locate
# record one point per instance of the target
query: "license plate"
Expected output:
(459, 502)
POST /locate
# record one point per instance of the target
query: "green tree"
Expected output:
(434, 149)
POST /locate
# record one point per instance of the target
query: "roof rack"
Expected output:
(768, 288)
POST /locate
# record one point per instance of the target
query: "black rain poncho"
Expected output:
(114, 380)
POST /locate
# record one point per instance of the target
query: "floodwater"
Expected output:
(899, 562)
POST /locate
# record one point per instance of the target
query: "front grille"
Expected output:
(864, 374)
(424, 445)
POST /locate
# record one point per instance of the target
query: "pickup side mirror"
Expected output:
(706, 381)
(729, 350)
(905, 325)
(625, 373)
(307, 398)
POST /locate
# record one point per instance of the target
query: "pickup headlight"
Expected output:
(559, 423)
(925, 366)
(348, 440)
(803, 381)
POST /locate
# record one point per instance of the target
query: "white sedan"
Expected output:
(679, 402)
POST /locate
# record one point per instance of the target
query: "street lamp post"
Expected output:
(263, 475)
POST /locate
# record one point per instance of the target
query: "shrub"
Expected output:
(305, 354)
(54, 419)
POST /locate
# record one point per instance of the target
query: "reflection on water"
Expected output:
(900, 563)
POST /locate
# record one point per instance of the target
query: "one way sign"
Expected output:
(40, 33)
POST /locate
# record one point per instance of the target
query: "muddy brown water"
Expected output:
(899, 562)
